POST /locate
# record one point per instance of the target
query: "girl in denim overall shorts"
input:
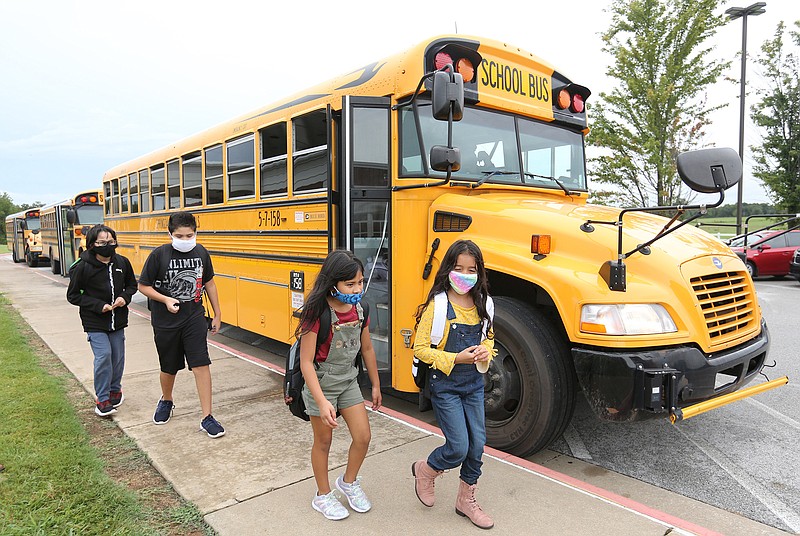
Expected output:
(331, 378)
(456, 382)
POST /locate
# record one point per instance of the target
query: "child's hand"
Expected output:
(107, 307)
(328, 414)
(481, 353)
(377, 397)
(119, 302)
(173, 305)
(467, 355)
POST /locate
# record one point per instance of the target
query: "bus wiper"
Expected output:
(547, 177)
(490, 174)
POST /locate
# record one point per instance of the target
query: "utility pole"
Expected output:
(733, 14)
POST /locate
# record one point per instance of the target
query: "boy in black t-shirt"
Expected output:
(174, 278)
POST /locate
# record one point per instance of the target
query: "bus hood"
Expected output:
(671, 273)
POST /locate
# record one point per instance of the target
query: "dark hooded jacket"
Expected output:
(92, 284)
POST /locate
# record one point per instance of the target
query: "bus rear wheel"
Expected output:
(55, 266)
(30, 260)
(530, 386)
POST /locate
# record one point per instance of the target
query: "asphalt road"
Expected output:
(744, 457)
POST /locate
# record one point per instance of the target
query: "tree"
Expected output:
(7, 207)
(777, 159)
(28, 206)
(658, 107)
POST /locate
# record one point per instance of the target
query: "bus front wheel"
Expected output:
(30, 260)
(530, 386)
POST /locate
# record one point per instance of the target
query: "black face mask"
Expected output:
(104, 251)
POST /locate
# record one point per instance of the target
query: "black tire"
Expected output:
(55, 266)
(530, 387)
(751, 269)
(14, 254)
(29, 259)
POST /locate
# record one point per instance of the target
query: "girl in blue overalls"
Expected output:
(332, 385)
(456, 382)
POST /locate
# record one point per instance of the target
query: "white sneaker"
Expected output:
(355, 495)
(329, 506)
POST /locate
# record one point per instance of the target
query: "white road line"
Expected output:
(774, 413)
(576, 444)
(771, 501)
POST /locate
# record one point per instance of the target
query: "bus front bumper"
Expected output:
(630, 386)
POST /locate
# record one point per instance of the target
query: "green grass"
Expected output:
(54, 481)
(3, 248)
(726, 227)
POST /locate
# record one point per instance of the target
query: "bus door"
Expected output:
(366, 212)
(66, 239)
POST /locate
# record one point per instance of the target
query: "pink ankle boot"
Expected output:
(424, 476)
(466, 505)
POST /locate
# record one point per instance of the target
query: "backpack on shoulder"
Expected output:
(293, 380)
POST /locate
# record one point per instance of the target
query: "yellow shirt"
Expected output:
(435, 357)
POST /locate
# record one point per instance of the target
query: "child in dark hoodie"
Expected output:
(102, 284)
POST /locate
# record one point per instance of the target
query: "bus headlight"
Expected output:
(626, 319)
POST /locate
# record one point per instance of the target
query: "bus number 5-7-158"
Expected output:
(269, 218)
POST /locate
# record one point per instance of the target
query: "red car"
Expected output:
(768, 252)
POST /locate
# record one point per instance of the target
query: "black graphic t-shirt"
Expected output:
(181, 276)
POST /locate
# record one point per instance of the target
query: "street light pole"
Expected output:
(733, 14)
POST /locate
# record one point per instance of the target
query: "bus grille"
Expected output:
(728, 304)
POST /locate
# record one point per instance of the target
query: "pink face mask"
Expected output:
(462, 283)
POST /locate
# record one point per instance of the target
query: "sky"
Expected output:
(86, 85)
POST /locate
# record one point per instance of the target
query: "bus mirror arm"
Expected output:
(613, 272)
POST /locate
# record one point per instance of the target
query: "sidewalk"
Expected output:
(257, 479)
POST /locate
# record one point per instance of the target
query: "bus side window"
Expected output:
(273, 164)
(310, 155)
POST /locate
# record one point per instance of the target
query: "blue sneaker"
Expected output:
(163, 411)
(212, 427)
(355, 495)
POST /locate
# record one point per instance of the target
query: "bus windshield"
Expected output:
(90, 215)
(490, 144)
(32, 224)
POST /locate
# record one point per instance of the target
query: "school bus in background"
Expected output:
(400, 158)
(64, 228)
(23, 237)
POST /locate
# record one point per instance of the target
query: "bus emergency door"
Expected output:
(366, 211)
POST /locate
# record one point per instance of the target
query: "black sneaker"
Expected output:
(212, 427)
(116, 398)
(163, 411)
(104, 409)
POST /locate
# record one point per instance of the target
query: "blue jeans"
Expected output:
(458, 405)
(108, 348)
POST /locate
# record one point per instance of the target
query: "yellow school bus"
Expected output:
(23, 237)
(461, 137)
(64, 227)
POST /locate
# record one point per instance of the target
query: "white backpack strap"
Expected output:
(439, 318)
(490, 312)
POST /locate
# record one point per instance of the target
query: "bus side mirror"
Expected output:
(445, 158)
(447, 94)
(710, 170)
(72, 216)
(23, 226)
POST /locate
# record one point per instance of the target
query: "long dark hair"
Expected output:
(339, 265)
(441, 282)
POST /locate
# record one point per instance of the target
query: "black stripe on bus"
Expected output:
(259, 256)
(233, 233)
(223, 208)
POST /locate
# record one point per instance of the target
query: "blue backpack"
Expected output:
(293, 380)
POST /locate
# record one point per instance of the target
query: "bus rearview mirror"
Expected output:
(447, 94)
(445, 158)
(710, 170)
(72, 216)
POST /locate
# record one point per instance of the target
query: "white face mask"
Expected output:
(184, 246)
